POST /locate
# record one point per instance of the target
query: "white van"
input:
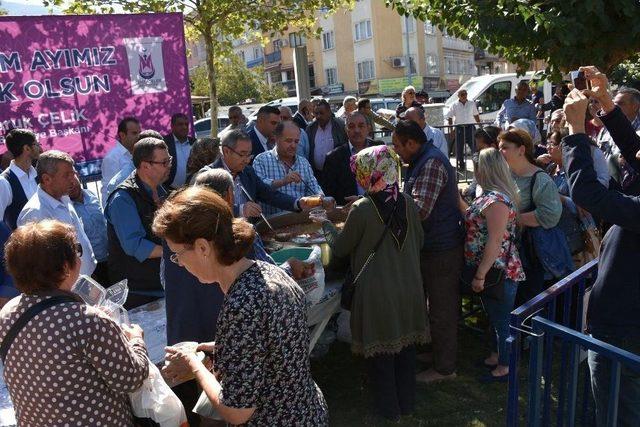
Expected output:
(491, 90)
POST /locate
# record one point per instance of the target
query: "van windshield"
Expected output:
(473, 88)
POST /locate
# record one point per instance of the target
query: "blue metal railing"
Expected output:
(569, 331)
(545, 303)
(270, 58)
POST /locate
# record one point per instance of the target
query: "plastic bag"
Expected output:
(313, 286)
(157, 401)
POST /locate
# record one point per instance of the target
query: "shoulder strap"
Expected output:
(25, 317)
(533, 182)
(377, 246)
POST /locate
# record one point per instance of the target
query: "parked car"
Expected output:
(202, 127)
(490, 91)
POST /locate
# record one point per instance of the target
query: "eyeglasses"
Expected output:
(244, 156)
(164, 163)
(78, 249)
(175, 257)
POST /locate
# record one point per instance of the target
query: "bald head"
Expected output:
(416, 115)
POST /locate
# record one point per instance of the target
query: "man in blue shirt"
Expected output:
(134, 251)
(434, 135)
(89, 210)
(518, 107)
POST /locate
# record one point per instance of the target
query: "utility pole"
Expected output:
(406, 30)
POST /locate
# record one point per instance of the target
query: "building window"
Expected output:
(332, 76)
(412, 65)
(241, 55)
(277, 45)
(328, 41)
(297, 40)
(448, 66)
(429, 28)
(257, 52)
(276, 77)
(366, 71)
(410, 23)
(363, 30)
(432, 64)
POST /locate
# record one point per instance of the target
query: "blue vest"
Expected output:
(19, 199)
(444, 228)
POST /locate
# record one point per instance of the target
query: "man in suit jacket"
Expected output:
(248, 188)
(303, 114)
(325, 134)
(179, 146)
(262, 133)
(340, 181)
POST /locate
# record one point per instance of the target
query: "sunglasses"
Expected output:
(164, 163)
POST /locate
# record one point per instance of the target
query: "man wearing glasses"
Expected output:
(134, 251)
(248, 188)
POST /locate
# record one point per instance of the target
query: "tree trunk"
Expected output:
(211, 72)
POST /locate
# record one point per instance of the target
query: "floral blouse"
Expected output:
(262, 350)
(478, 233)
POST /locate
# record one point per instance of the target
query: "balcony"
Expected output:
(456, 44)
(270, 58)
(255, 62)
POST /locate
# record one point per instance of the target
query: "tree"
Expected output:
(566, 34)
(2, 11)
(627, 73)
(219, 22)
(236, 83)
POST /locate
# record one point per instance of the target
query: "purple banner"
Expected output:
(72, 78)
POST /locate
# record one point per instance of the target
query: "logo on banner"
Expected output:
(146, 65)
(145, 68)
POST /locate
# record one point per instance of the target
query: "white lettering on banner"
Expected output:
(146, 65)
(63, 116)
(68, 131)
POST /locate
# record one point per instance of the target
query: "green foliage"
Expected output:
(2, 11)
(236, 83)
(627, 73)
(219, 22)
(564, 33)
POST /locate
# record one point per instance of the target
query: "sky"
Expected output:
(26, 7)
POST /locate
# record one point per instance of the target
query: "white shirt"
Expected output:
(42, 206)
(183, 149)
(323, 144)
(463, 113)
(27, 181)
(263, 139)
(117, 158)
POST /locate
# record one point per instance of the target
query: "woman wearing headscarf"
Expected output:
(388, 312)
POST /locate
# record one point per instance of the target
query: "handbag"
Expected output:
(493, 281)
(349, 284)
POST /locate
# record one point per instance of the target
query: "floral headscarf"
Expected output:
(375, 163)
(382, 163)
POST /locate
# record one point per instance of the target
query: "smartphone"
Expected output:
(580, 82)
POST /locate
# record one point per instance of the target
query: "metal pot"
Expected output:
(294, 218)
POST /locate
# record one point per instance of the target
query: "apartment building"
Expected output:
(369, 50)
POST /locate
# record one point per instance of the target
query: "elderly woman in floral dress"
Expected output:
(388, 313)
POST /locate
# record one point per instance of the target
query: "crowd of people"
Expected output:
(175, 219)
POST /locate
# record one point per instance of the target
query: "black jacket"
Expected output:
(340, 181)
(258, 190)
(615, 299)
(171, 147)
(299, 120)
